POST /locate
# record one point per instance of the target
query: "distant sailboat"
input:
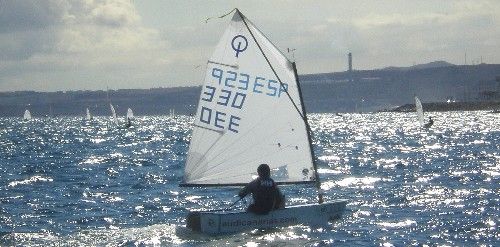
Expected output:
(88, 116)
(27, 115)
(51, 112)
(130, 113)
(113, 114)
(419, 110)
(172, 113)
(250, 112)
(420, 114)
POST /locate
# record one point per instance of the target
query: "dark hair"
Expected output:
(264, 171)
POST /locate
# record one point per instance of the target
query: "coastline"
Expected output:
(450, 106)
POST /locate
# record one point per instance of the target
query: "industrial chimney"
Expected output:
(349, 57)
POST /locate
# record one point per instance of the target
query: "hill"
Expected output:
(356, 91)
(435, 64)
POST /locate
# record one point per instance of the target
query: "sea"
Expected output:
(65, 181)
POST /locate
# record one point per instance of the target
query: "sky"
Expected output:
(54, 45)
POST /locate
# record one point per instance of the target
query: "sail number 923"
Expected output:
(243, 81)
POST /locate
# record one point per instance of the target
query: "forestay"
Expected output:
(420, 111)
(246, 116)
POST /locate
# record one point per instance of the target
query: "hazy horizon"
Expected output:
(62, 45)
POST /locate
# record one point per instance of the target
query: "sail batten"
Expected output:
(254, 105)
(228, 65)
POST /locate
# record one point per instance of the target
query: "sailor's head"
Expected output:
(264, 171)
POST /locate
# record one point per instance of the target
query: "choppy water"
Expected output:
(67, 182)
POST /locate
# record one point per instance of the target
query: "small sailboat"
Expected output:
(130, 113)
(172, 113)
(88, 117)
(420, 114)
(251, 112)
(51, 112)
(113, 114)
(27, 115)
(420, 111)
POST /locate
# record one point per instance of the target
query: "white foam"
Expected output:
(30, 181)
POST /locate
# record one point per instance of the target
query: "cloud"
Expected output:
(23, 15)
(424, 34)
(91, 44)
(81, 36)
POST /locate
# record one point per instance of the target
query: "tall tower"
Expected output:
(349, 60)
(349, 57)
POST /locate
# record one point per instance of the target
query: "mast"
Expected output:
(309, 138)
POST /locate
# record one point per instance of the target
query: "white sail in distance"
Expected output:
(246, 117)
(420, 111)
(88, 116)
(113, 114)
(130, 113)
(27, 115)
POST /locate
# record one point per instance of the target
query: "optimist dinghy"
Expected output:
(420, 114)
(251, 112)
(27, 115)
(130, 113)
(88, 117)
(113, 114)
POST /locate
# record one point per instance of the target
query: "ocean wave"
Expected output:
(30, 180)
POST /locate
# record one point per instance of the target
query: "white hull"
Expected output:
(229, 222)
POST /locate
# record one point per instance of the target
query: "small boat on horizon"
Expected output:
(27, 115)
(420, 114)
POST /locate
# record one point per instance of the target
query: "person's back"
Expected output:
(430, 123)
(265, 193)
(129, 123)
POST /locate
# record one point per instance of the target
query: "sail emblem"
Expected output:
(236, 43)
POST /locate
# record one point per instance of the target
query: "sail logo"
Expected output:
(239, 44)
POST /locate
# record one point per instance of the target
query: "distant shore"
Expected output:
(450, 106)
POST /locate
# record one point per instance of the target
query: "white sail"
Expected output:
(27, 115)
(130, 113)
(420, 111)
(113, 114)
(245, 117)
(88, 116)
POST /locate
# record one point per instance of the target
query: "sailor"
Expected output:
(266, 194)
(430, 123)
(129, 123)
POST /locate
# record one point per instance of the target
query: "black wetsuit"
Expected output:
(429, 124)
(129, 123)
(266, 195)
